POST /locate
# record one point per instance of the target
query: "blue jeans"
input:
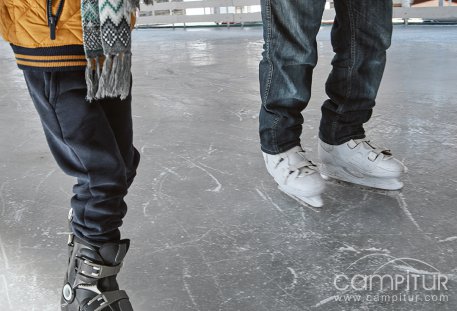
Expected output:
(361, 34)
(91, 141)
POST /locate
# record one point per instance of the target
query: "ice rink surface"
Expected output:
(209, 229)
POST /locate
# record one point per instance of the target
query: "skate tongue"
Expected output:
(114, 253)
(296, 155)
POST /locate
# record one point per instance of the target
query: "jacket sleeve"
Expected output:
(6, 22)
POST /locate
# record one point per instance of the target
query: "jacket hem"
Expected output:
(60, 58)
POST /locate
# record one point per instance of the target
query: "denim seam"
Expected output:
(268, 48)
(269, 18)
(353, 53)
(274, 136)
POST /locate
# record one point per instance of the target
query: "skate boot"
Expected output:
(358, 161)
(90, 282)
(296, 176)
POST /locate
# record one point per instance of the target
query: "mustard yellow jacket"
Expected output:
(24, 23)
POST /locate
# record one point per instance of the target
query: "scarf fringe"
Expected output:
(92, 77)
(113, 80)
(108, 75)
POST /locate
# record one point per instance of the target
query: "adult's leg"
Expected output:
(85, 146)
(289, 57)
(360, 37)
(285, 71)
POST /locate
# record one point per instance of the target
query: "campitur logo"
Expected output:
(412, 281)
(383, 278)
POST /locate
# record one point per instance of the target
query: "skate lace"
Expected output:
(303, 167)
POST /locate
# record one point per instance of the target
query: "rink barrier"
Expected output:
(148, 13)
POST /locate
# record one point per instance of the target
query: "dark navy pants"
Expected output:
(361, 35)
(91, 141)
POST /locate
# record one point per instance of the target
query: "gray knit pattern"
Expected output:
(107, 45)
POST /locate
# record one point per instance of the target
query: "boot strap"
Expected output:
(104, 300)
(96, 271)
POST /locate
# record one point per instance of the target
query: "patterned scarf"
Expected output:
(107, 45)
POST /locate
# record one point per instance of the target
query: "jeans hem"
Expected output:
(281, 149)
(340, 141)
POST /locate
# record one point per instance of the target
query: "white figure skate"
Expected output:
(296, 176)
(358, 161)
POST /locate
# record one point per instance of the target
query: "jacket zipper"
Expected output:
(54, 19)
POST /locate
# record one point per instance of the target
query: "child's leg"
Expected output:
(89, 142)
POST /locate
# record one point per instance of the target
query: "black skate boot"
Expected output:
(90, 282)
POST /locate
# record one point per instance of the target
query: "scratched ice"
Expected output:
(209, 229)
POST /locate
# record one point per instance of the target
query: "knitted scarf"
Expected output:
(107, 45)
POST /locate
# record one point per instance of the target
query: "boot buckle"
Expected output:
(96, 271)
